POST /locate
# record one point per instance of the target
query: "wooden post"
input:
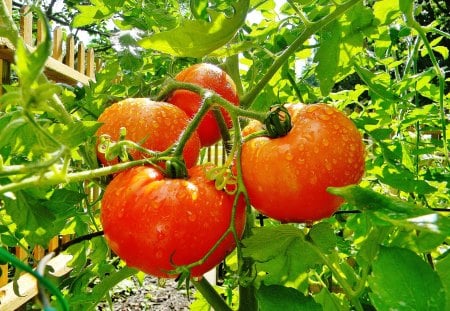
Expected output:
(9, 5)
(69, 59)
(57, 44)
(90, 63)
(26, 25)
(81, 65)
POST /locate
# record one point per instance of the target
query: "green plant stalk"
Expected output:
(215, 98)
(247, 292)
(411, 21)
(6, 256)
(210, 294)
(194, 123)
(312, 28)
(53, 178)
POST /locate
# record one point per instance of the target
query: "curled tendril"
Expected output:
(278, 121)
(223, 178)
(176, 168)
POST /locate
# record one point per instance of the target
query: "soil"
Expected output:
(130, 295)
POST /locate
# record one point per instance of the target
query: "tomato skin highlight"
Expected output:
(155, 223)
(158, 124)
(211, 77)
(286, 177)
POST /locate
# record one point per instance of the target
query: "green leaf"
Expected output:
(199, 9)
(277, 297)
(443, 270)
(328, 56)
(405, 181)
(401, 280)
(282, 252)
(330, 301)
(76, 133)
(90, 14)
(376, 83)
(393, 210)
(197, 38)
(28, 211)
(322, 235)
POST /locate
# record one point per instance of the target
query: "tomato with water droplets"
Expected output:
(155, 125)
(287, 177)
(157, 224)
(211, 77)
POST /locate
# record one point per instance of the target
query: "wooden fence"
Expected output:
(72, 65)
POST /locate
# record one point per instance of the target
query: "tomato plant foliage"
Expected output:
(383, 64)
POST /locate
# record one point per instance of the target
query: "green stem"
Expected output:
(223, 128)
(247, 290)
(6, 256)
(312, 28)
(51, 178)
(193, 124)
(214, 97)
(441, 77)
(211, 295)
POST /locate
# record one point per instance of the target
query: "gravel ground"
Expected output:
(130, 295)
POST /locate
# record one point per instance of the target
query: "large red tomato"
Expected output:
(287, 177)
(211, 77)
(156, 224)
(157, 125)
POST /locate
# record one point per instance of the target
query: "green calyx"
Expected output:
(176, 168)
(278, 121)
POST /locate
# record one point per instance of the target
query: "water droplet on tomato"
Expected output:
(325, 142)
(311, 109)
(313, 180)
(159, 254)
(329, 111)
(316, 149)
(324, 117)
(328, 166)
(191, 216)
(289, 156)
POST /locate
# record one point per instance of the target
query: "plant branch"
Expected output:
(211, 295)
(312, 28)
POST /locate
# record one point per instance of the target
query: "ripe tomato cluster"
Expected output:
(162, 225)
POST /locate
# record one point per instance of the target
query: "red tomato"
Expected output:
(211, 77)
(287, 177)
(156, 224)
(157, 125)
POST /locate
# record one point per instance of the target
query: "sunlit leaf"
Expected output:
(402, 280)
(197, 38)
(276, 297)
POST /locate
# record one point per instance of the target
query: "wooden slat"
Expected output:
(9, 5)
(54, 243)
(57, 44)
(69, 59)
(81, 55)
(38, 252)
(90, 63)
(54, 70)
(26, 25)
(28, 285)
(4, 276)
